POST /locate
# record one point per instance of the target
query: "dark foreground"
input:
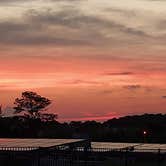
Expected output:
(80, 153)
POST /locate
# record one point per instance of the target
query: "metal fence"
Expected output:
(67, 156)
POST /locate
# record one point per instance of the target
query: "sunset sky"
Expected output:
(95, 59)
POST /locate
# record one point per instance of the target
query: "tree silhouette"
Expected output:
(31, 103)
(48, 117)
(0, 110)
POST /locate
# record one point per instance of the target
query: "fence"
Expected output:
(67, 156)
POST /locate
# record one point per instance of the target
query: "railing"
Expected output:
(18, 148)
(66, 156)
(127, 149)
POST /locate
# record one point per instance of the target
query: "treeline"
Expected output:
(143, 128)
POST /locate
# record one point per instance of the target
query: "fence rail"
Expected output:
(18, 148)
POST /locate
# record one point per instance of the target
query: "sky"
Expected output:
(94, 59)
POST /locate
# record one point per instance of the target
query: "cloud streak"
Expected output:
(118, 73)
(132, 87)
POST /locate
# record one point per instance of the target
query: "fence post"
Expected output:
(159, 157)
(126, 157)
(38, 157)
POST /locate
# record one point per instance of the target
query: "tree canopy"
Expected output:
(32, 104)
(123, 129)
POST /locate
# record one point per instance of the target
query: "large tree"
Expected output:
(32, 104)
